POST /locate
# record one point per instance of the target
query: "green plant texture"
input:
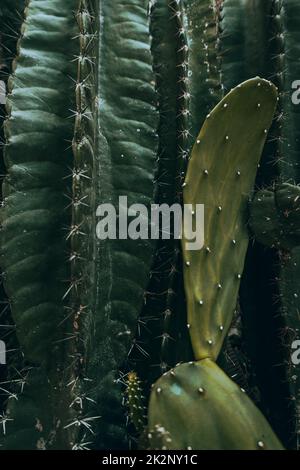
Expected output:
(116, 343)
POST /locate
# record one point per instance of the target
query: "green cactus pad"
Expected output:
(198, 407)
(220, 175)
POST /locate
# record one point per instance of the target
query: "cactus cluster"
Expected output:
(199, 392)
(120, 343)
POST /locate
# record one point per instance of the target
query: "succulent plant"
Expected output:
(220, 175)
(199, 407)
(60, 165)
(105, 99)
(196, 403)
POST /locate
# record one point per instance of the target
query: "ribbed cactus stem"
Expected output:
(203, 60)
(124, 164)
(286, 16)
(11, 17)
(275, 216)
(163, 312)
(32, 239)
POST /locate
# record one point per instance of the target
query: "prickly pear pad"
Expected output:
(200, 408)
(221, 175)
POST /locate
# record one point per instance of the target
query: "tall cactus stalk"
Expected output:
(73, 326)
(11, 17)
(161, 337)
(283, 195)
(126, 149)
(34, 213)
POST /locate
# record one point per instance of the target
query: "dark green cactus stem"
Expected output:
(11, 16)
(204, 71)
(286, 18)
(221, 175)
(81, 200)
(275, 216)
(199, 408)
(126, 149)
(285, 53)
(32, 239)
(244, 40)
(161, 335)
(286, 15)
(232, 43)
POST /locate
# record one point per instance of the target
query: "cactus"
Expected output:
(200, 392)
(243, 40)
(203, 23)
(135, 402)
(105, 99)
(274, 212)
(162, 339)
(49, 216)
(33, 245)
(220, 176)
(275, 216)
(127, 147)
(11, 17)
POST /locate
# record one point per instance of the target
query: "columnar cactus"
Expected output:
(284, 191)
(126, 148)
(33, 243)
(11, 17)
(49, 213)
